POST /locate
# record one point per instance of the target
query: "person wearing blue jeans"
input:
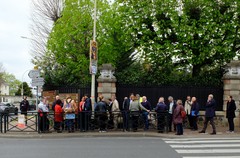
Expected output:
(146, 104)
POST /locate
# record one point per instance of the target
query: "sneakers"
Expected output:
(201, 132)
(231, 132)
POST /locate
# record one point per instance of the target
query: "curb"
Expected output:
(55, 135)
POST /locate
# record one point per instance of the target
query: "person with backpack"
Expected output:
(69, 110)
(101, 114)
(178, 117)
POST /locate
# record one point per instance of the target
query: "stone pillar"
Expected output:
(232, 87)
(106, 81)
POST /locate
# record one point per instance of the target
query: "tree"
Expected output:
(12, 82)
(183, 36)
(26, 90)
(44, 15)
(69, 43)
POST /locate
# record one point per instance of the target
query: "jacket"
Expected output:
(147, 105)
(210, 108)
(187, 107)
(24, 105)
(88, 105)
(161, 107)
(115, 105)
(136, 106)
(101, 108)
(177, 117)
(58, 113)
(231, 107)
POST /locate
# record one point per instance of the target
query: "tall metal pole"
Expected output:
(94, 39)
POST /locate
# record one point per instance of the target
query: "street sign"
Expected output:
(34, 73)
(37, 81)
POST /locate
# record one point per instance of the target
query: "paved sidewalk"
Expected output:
(221, 132)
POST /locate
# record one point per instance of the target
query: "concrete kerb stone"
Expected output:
(54, 135)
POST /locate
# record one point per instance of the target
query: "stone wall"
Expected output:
(231, 87)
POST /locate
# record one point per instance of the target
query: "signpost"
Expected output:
(37, 81)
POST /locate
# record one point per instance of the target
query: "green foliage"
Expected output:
(149, 42)
(26, 90)
(12, 82)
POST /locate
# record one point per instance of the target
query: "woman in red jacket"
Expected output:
(58, 115)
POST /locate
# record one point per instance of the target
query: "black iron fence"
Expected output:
(84, 121)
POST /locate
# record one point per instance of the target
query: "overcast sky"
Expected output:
(15, 19)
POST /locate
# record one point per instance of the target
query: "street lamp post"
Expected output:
(94, 39)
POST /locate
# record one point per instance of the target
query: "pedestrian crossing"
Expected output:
(206, 147)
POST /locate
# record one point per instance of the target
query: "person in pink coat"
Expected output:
(177, 117)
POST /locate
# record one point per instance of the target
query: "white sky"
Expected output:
(14, 50)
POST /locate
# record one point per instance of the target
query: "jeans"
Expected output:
(70, 124)
(145, 119)
(125, 120)
(179, 129)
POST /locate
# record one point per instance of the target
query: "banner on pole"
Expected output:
(93, 57)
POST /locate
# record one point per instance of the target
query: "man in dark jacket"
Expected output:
(230, 113)
(101, 114)
(210, 114)
(146, 104)
(24, 107)
(88, 111)
(161, 110)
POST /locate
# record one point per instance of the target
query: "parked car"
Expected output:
(8, 108)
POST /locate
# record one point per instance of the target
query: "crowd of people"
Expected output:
(171, 115)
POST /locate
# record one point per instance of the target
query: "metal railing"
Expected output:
(84, 121)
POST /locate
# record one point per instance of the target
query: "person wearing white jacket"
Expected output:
(187, 107)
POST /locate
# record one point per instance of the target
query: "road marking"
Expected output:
(205, 146)
(190, 139)
(202, 141)
(207, 151)
(212, 157)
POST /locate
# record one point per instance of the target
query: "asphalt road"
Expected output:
(127, 147)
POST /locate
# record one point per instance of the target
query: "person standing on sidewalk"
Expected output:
(171, 107)
(161, 110)
(194, 113)
(101, 114)
(187, 107)
(177, 117)
(145, 103)
(43, 111)
(115, 112)
(58, 117)
(210, 114)
(230, 113)
(24, 107)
